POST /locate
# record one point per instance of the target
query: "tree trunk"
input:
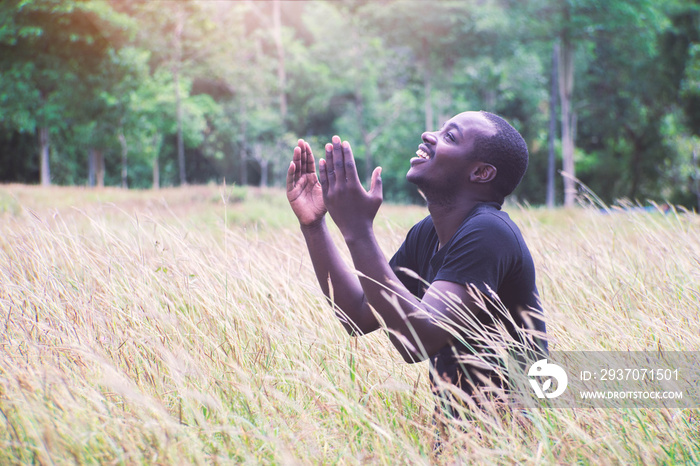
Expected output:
(427, 88)
(428, 103)
(264, 165)
(125, 150)
(44, 156)
(566, 87)
(697, 176)
(156, 173)
(179, 27)
(281, 68)
(366, 139)
(244, 149)
(91, 167)
(156, 167)
(244, 166)
(263, 162)
(180, 140)
(99, 168)
(636, 159)
(551, 165)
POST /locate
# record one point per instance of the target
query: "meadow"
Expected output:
(185, 326)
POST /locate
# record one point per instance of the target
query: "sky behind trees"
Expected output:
(153, 93)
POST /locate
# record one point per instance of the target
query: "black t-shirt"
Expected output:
(487, 253)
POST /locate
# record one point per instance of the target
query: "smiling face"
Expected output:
(445, 159)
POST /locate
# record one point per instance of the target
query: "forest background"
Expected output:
(144, 94)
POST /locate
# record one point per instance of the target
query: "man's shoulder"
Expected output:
(492, 228)
(489, 219)
(422, 228)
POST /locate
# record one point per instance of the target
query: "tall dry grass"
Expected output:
(185, 326)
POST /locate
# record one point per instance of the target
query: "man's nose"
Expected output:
(429, 138)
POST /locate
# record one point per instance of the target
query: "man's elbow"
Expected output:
(408, 351)
(362, 322)
(413, 358)
(352, 330)
(355, 330)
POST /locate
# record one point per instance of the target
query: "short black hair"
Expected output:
(506, 150)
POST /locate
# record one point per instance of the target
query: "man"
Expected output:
(462, 274)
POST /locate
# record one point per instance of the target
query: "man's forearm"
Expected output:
(344, 289)
(387, 295)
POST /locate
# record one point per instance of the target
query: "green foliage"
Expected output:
(376, 73)
(690, 87)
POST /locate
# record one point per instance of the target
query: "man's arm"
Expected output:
(417, 321)
(306, 199)
(415, 326)
(337, 282)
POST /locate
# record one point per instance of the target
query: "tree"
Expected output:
(586, 31)
(180, 43)
(551, 159)
(436, 37)
(47, 47)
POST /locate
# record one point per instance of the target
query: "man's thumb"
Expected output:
(375, 188)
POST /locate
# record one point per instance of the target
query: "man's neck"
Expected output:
(448, 216)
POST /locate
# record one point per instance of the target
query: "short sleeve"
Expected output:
(480, 254)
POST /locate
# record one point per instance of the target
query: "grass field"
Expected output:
(186, 326)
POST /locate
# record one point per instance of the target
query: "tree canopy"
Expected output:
(140, 94)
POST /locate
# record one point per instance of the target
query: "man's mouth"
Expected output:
(422, 154)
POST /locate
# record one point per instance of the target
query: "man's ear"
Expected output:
(483, 173)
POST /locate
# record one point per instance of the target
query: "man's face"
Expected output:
(445, 157)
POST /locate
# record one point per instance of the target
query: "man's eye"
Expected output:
(450, 137)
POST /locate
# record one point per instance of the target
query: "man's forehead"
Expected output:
(476, 120)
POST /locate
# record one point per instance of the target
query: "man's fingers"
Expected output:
(310, 164)
(328, 164)
(323, 176)
(338, 159)
(350, 167)
(375, 189)
(296, 159)
(290, 176)
(302, 156)
(329, 154)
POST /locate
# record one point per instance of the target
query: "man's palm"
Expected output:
(303, 189)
